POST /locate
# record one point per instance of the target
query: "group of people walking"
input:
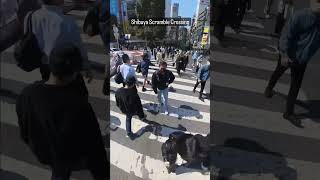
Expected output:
(127, 98)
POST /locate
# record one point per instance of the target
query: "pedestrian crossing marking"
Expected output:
(139, 126)
(172, 96)
(176, 112)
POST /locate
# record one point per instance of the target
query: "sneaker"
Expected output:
(293, 119)
(143, 118)
(204, 167)
(268, 93)
(144, 89)
(267, 16)
(131, 136)
(167, 113)
(250, 11)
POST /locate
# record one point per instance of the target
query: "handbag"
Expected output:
(118, 78)
(105, 88)
(27, 52)
(138, 69)
(91, 22)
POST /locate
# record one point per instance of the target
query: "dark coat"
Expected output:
(61, 128)
(129, 101)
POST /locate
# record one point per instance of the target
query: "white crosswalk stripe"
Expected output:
(241, 110)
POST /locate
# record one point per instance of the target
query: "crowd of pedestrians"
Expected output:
(127, 97)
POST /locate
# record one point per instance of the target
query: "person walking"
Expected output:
(161, 79)
(285, 11)
(202, 77)
(126, 69)
(144, 66)
(185, 61)
(58, 123)
(219, 18)
(129, 102)
(298, 43)
(180, 62)
(159, 57)
(267, 9)
(51, 26)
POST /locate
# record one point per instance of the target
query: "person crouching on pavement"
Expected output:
(129, 102)
(160, 83)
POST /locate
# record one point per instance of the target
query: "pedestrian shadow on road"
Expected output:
(7, 175)
(312, 107)
(313, 110)
(247, 157)
(158, 129)
(179, 112)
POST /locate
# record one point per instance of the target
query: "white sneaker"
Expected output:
(167, 113)
(267, 16)
(250, 11)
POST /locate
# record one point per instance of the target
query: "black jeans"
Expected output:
(203, 84)
(297, 73)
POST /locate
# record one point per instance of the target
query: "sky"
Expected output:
(187, 8)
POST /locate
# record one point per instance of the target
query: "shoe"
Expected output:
(144, 89)
(268, 93)
(167, 113)
(131, 136)
(194, 91)
(267, 16)
(293, 119)
(250, 11)
(148, 82)
(143, 118)
(204, 168)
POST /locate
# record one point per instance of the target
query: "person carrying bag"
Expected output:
(27, 52)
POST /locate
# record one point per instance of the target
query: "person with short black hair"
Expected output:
(57, 122)
(160, 83)
(144, 66)
(126, 69)
(51, 26)
(129, 103)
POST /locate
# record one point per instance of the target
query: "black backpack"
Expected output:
(91, 22)
(27, 53)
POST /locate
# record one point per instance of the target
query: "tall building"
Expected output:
(201, 7)
(167, 13)
(175, 10)
(118, 8)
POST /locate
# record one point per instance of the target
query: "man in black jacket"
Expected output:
(160, 82)
(129, 103)
(57, 122)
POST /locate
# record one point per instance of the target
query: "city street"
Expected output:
(141, 158)
(17, 161)
(261, 143)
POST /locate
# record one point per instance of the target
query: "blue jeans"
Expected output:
(128, 123)
(163, 98)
